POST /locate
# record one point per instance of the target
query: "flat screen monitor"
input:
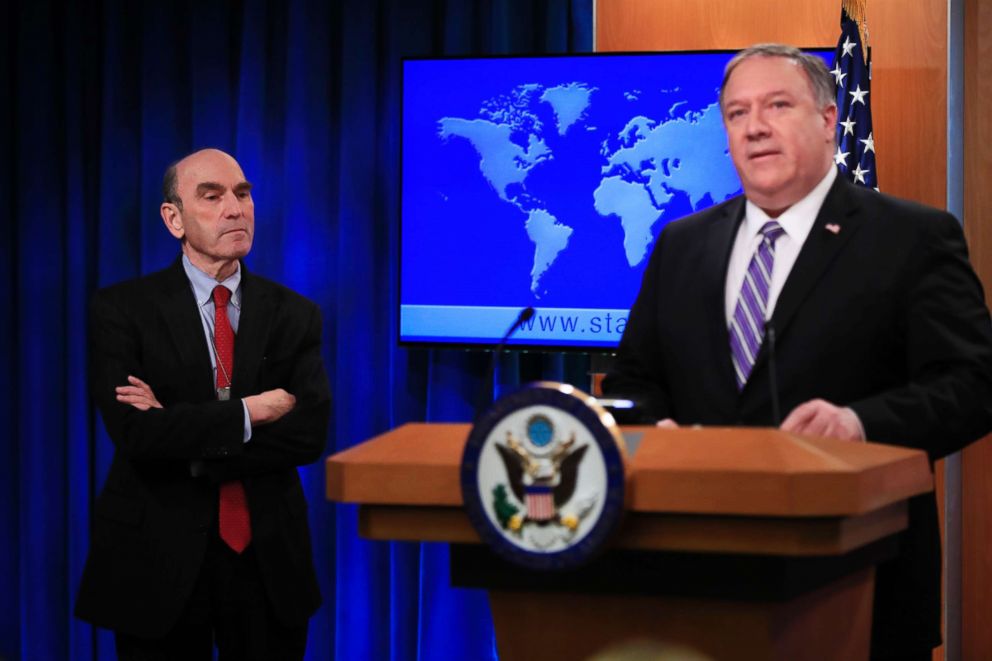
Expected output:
(544, 182)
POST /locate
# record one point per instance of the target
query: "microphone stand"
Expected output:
(480, 402)
(772, 373)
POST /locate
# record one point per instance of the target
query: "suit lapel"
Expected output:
(181, 315)
(721, 232)
(253, 332)
(836, 223)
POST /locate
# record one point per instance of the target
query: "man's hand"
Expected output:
(269, 406)
(139, 394)
(667, 423)
(818, 417)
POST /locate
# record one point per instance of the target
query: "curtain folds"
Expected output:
(96, 98)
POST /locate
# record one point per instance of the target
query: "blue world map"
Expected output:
(643, 164)
(646, 163)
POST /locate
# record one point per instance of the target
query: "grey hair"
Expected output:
(170, 186)
(821, 82)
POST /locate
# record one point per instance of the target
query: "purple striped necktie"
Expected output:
(747, 327)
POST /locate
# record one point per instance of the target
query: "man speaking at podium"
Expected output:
(212, 387)
(857, 313)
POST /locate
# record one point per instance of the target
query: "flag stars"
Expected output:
(838, 75)
(869, 143)
(848, 46)
(840, 158)
(848, 125)
(859, 174)
(858, 95)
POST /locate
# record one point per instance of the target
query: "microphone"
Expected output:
(480, 401)
(525, 315)
(772, 373)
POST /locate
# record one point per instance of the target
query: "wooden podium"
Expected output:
(742, 543)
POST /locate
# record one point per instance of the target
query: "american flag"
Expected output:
(855, 156)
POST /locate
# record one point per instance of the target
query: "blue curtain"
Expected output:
(95, 99)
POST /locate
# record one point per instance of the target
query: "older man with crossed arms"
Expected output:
(211, 386)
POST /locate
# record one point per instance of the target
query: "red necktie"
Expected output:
(234, 524)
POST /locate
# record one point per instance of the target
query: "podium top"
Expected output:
(709, 470)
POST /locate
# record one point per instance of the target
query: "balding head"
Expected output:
(170, 182)
(208, 206)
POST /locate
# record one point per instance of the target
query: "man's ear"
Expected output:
(830, 120)
(173, 219)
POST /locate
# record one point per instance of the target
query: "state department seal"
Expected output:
(543, 476)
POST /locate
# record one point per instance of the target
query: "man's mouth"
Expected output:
(762, 154)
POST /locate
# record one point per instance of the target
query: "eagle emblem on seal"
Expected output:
(541, 471)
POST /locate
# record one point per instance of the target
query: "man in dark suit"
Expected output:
(212, 387)
(877, 322)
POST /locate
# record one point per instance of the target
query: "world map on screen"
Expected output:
(653, 155)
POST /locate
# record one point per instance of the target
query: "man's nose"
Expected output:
(232, 205)
(757, 126)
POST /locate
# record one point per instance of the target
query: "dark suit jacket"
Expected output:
(885, 316)
(151, 520)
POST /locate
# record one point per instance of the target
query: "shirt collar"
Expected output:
(203, 284)
(797, 220)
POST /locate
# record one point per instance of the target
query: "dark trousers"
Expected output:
(228, 608)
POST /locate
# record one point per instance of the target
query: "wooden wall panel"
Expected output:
(976, 557)
(976, 469)
(646, 25)
(909, 51)
(909, 83)
(978, 137)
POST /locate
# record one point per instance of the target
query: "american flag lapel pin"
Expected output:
(833, 228)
